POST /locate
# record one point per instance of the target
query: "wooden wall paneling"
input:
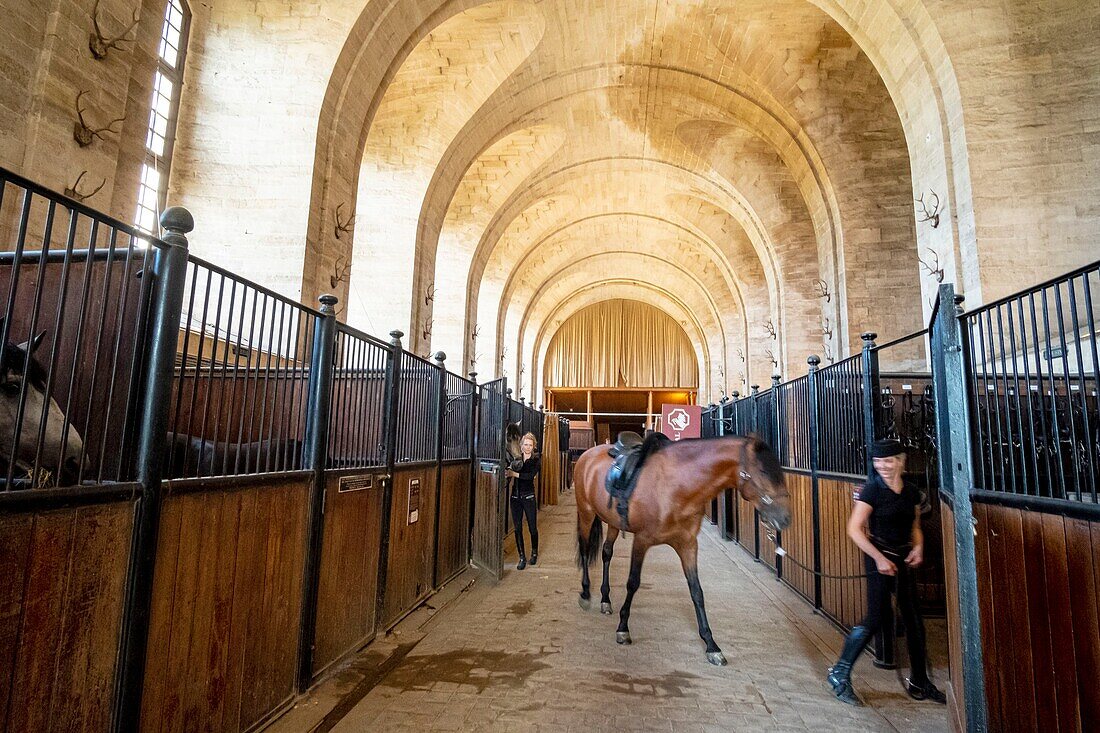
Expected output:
(487, 545)
(347, 593)
(956, 703)
(412, 546)
(989, 645)
(1084, 590)
(798, 537)
(62, 599)
(226, 602)
(453, 545)
(1058, 597)
(1022, 661)
(1038, 615)
(15, 553)
(747, 522)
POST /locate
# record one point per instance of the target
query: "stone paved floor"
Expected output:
(521, 655)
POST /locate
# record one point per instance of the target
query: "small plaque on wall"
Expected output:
(356, 483)
(489, 466)
(414, 500)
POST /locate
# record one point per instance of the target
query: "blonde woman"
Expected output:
(524, 504)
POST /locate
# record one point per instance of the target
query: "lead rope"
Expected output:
(780, 552)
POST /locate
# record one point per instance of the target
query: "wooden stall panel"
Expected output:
(453, 546)
(798, 538)
(746, 525)
(412, 542)
(348, 590)
(226, 606)
(1038, 580)
(842, 599)
(487, 541)
(956, 703)
(62, 582)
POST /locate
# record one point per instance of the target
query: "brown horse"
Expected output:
(675, 484)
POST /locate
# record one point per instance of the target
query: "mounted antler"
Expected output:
(342, 226)
(933, 269)
(100, 44)
(827, 328)
(771, 356)
(426, 332)
(822, 289)
(741, 355)
(82, 133)
(340, 271)
(769, 328)
(475, 333)
(933, 215)
(827, 350)
(73, 191)
(504, 353)
(430, 295)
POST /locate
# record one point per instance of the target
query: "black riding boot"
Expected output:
(840, 674)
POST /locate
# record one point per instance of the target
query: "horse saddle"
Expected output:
(628, 454)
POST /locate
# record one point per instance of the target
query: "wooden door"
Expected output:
(487, 542)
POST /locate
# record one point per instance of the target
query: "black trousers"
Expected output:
(525, 508)
(904, 584)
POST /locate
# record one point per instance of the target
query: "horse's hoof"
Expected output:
(622, 637)
(584, 603)
(718, 659)
(605, 608)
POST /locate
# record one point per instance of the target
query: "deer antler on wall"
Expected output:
(426, 332)
(934, 269)
(73, 191)
(504, 353)
(430, 295)
(933, 215)
(828, 351)
(769, 328)
(827, 328)
(82, 133)
(771, 355)
(340, 270)
(822, 289)
(342, 226)
(741, 355)
(100, 44)
(475, 333)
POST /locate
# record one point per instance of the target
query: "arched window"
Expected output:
(163, 111)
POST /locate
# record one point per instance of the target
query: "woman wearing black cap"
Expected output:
(885, 524)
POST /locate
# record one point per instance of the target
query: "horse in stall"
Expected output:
(60, 451)
(673, 484)
(188, 456)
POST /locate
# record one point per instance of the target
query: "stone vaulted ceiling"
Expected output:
(720, 160)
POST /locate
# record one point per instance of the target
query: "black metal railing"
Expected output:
(417, 407)
(358, 400)
(72, 332)
(457, 423)
(1033, 376)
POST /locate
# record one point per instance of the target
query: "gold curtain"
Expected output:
(550, 472)
(621, 343)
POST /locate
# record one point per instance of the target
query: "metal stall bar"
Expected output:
(318, 411)
(169, 272)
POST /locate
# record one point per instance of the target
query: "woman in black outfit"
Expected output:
(885, 524)
(522, 499)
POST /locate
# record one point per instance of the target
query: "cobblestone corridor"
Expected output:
(521, 655)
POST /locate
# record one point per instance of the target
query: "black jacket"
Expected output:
(524, 486)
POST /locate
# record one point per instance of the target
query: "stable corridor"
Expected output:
(520, 655)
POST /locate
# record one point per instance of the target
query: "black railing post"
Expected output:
(169, 276)
(871, 396)
(949, 379)
(389, 449)
(815, 464)
(475, 460)
(440, 416)
(755, 512)
(315, 449)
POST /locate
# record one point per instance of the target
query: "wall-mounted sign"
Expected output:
(356, 483)
(489, 466)
(681, 421)
(414, 500)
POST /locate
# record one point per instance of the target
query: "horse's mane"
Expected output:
(654, 442)
(769, 461)
(14, 357)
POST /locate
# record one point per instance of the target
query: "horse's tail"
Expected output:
(589, 547)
